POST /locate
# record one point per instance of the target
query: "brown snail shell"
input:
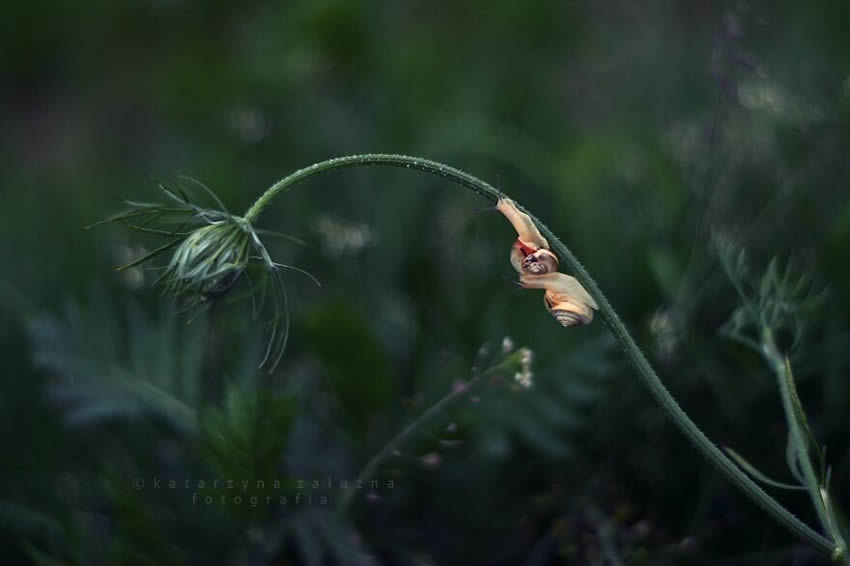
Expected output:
(568, 313)
(566, 299)
(540, 262)
(532, 262)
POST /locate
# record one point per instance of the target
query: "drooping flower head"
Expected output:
(213, 251)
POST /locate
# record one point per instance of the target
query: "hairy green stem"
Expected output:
(710, 450)
(385, 159)
(612, 320)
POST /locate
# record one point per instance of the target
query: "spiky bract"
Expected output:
(214, 250)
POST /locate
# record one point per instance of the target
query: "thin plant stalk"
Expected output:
(782, 368)
(693, 433)
(399, 439)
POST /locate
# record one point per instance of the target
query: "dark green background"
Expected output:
(634, 132)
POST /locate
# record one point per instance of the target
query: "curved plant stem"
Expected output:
(675, 412)
(385, 159)
(612, 320)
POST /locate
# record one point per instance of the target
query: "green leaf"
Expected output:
(800, 416)
(246, 437)
(753, 471)
(108, 367)
(792, 455)
(769, 281)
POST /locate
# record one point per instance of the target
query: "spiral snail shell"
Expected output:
(565, 298)
(567, 312)
(540, 262)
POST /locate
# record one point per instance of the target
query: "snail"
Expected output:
(530, 253)
(565, 298)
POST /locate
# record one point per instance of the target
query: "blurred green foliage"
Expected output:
(634, 132)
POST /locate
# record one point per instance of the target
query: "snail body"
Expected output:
(565, 298)
(527, 232)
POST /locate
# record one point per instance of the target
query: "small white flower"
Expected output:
(525, 375)
(526, 356)
(523, 378)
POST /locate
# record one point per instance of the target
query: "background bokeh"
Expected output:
(633, 131)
